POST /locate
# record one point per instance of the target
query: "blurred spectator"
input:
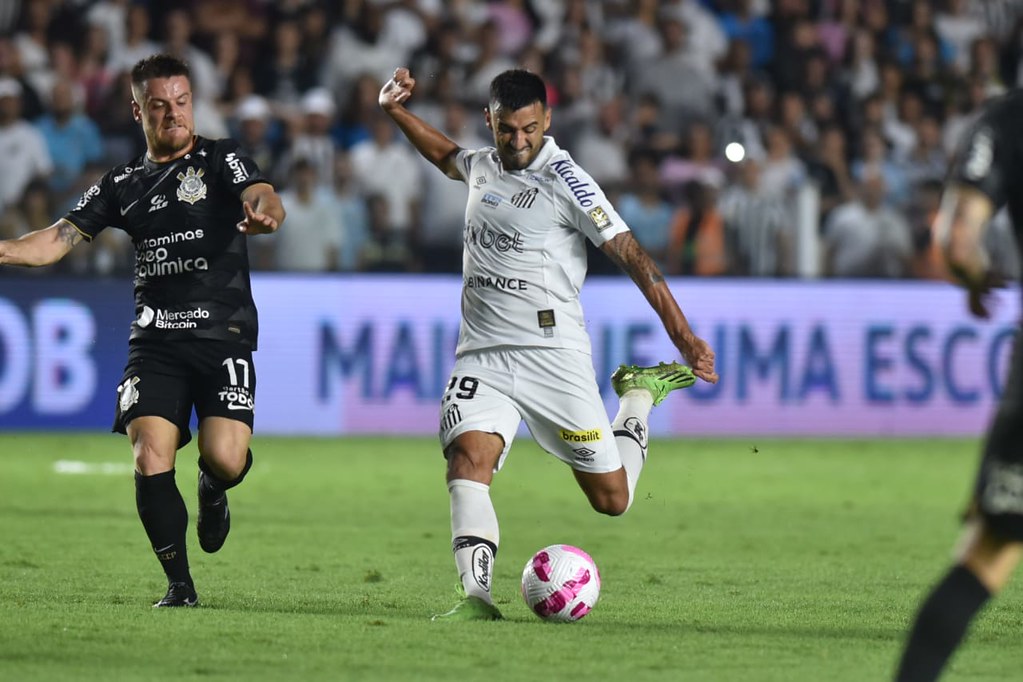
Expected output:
(488, 62)
(356, 49)
(600, 148)
(136, 44)
(177, 34)
(359, 112)
(92, 72)
(867, 238)
(739, 20)
(637, 37)
(957, 27)
(645, 209)
(23, 152)
(513, 24)
(697, 241)
(112, 17)
(927, 160)
(443, 207)
(828, 168)
(122, 135)
(387, 249)
(32, 43)
(312, 242)
(875, 159)
(696, 160)
(312, 139)
(32, 212)
(73, 140)
(253, 131)
(677, 64)
(352, 210)
(282, 73)
(783, 172)
(861, 71)
(10, 67)
(387, 168)
(757, 227)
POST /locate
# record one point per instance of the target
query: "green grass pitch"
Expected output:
(751, 560)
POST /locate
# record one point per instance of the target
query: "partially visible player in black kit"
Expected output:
(188, 204)
(986, 175)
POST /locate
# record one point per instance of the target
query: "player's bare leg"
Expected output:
(154, 443)
(224, 460)
(608, 493)
(472, 458)
(984, 565)
(638, 389)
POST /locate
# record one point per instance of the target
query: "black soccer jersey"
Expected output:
(990, 157)
(191, 262)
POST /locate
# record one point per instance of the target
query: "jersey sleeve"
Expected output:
(984, 158)
(96, 210)
(235, 169)
(583, 205)
(464, 160)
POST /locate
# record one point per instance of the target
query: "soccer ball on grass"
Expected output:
(560, 583)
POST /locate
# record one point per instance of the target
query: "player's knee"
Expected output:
(613, 504)
(151, 458)
(473, 457)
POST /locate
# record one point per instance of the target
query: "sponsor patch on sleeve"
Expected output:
(600, 218)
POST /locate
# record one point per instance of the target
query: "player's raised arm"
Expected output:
(626, 252)
(264, 211)
(435, 146)
(42, 247)
(960, 225)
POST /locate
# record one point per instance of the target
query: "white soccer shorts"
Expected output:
(554, 390)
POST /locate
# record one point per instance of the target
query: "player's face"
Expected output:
(164, 108)
(518, 135)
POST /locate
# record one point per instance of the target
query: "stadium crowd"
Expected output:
(716, 126)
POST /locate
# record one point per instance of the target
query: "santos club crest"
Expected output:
(192, 188)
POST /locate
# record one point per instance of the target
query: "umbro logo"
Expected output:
(525, 198)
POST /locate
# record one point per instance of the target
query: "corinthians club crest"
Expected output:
(192, 188)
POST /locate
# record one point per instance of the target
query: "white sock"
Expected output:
(630, 429)
(474, 536)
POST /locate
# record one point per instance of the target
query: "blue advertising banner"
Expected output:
(371, 354)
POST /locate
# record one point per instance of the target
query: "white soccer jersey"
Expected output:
(524, 255)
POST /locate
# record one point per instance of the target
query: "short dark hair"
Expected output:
(159, 66)
(517, 88)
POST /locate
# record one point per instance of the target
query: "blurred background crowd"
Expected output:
(793, 138)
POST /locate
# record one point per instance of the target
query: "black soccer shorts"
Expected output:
(999, 488)
(168, 378)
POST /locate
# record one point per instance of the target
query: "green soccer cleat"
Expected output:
(659, 381)
(471, 608)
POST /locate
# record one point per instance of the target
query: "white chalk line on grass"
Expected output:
(76, 467)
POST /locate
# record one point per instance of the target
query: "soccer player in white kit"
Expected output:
(523, 352)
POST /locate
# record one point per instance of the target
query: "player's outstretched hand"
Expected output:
(256, 223)
(700, 358)
(979, 296)
(397, 90)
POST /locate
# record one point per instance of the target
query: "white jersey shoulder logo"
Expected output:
(192, 188)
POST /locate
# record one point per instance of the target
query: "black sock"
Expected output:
(165, 519)
(941, 624)
(212, 486)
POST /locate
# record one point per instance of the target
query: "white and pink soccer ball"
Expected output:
(561, 583)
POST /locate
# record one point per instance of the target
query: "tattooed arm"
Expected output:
(626, 252)
(42, 247)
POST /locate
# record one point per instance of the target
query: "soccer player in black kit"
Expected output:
(986, 175)
(188, 204)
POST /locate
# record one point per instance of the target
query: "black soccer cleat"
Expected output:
(214, 522)
(178, 594)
